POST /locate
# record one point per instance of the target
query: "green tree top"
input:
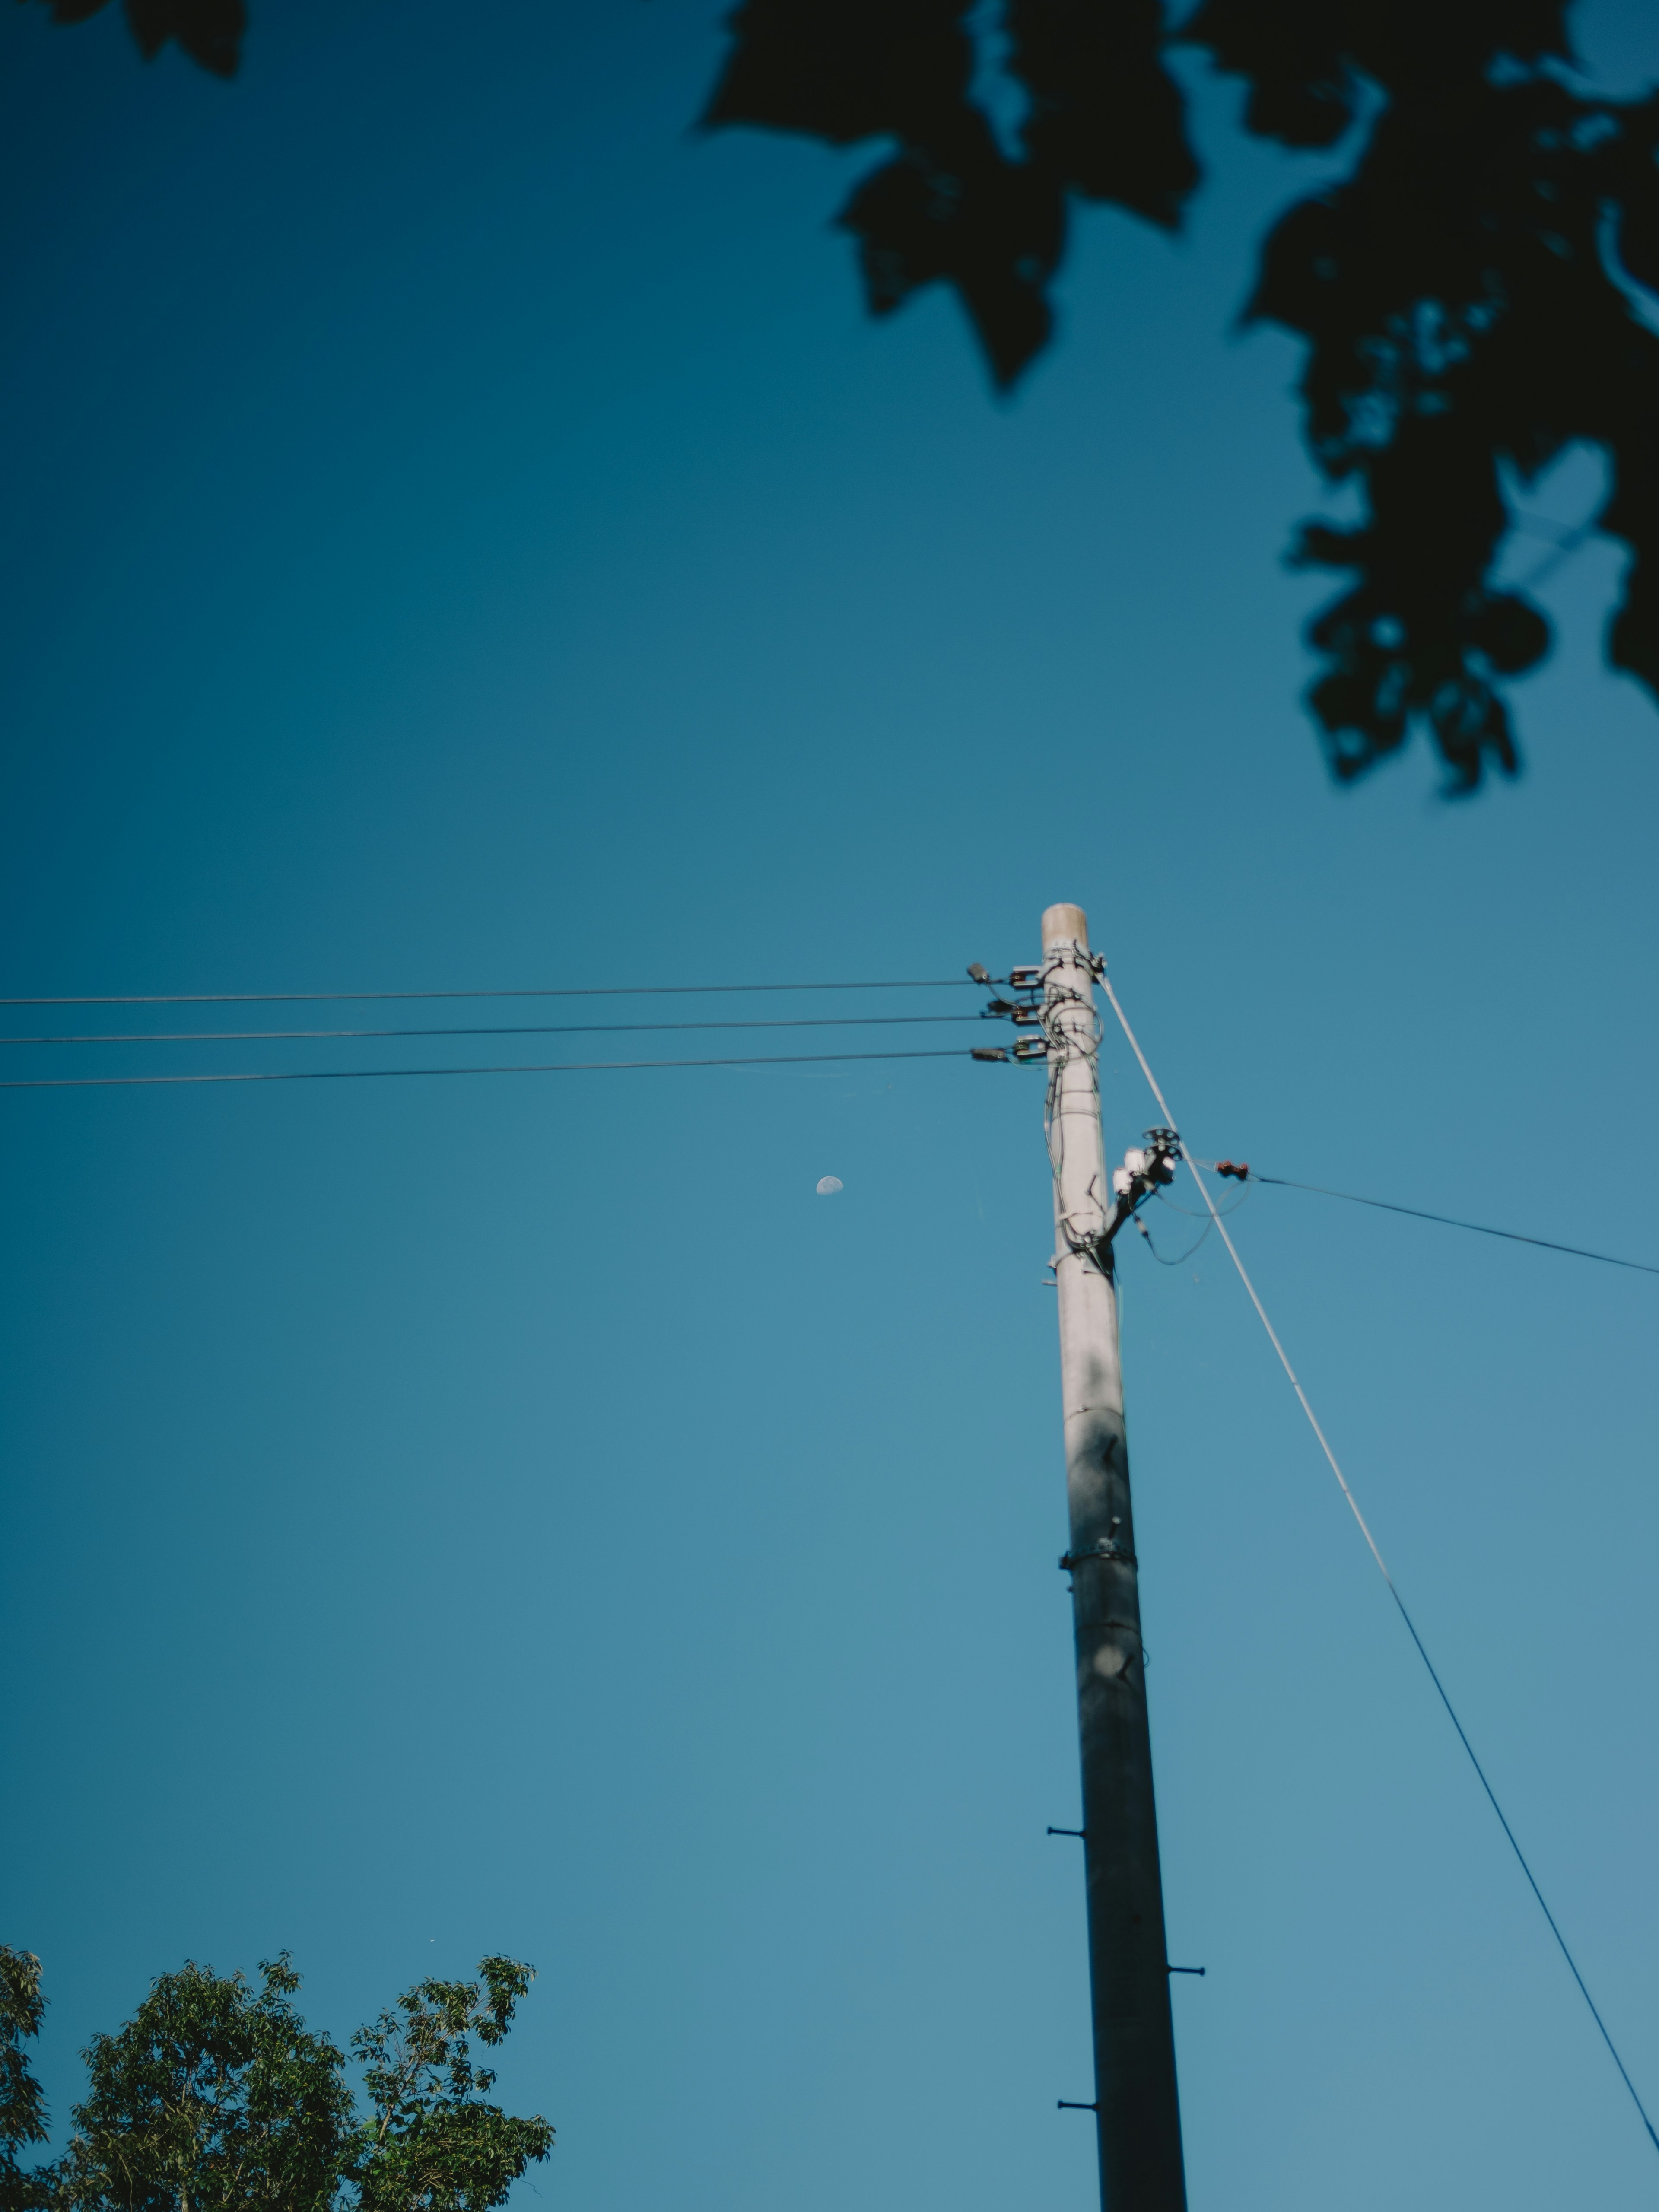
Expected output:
(22, 2108)
(216, 2097)
(434, 2143)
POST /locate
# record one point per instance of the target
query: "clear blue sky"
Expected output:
(460, 530)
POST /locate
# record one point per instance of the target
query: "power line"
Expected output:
(532, 1028)
(1371, 1544)
(1480, 1229)
(553, 1067)
(579, 991)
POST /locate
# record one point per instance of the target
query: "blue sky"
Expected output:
(461, 531)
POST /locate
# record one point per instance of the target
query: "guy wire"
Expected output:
(1371, 1541)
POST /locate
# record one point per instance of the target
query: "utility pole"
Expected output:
(1136, 2109)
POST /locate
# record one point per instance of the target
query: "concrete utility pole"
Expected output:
(1136, 2111)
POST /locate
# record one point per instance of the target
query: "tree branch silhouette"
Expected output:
(209, 30)
(1469, 293)
(1477, 292)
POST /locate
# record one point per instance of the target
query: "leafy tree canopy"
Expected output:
(215, 2097)
(433, 2144)
(1475, 294)
(22, 2108)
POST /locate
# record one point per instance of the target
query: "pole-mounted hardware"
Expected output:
(1109, 1547)
(1066, 1831)
(1183, 1970)
(1023, 1008)
(1030, 1005)
(1145, 1168)
(1065, 2105)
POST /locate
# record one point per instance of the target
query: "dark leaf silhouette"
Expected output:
(950, 206)
(1474, 295)
(1465, 294)
(209, 31)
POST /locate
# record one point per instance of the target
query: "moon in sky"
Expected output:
(827, 1186)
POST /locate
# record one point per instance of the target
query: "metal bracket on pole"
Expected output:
(1024, 1009)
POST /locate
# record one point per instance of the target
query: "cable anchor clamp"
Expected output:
(1108, 1547)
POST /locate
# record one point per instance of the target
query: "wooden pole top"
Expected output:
(1065, 925)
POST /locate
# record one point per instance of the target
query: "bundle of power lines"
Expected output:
(997, 1008)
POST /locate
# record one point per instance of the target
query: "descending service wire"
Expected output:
(1189, 1214)
(1381, 1565)
(1181, 1258)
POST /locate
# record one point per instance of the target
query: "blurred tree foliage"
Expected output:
(1475, 293)
(209, 31)
(215, 2097)
(1468, 292)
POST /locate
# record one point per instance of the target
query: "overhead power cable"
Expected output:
(552, 1067)
(529, 1028)
(578, 991)
(1446, 1221)
(1381, 1565)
